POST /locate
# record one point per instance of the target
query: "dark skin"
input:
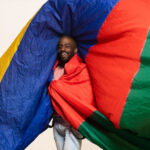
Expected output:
(66, 49)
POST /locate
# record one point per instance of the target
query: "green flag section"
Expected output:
(102, 132)
(136, 114)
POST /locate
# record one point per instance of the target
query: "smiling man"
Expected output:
(66, 137)
(67, 47)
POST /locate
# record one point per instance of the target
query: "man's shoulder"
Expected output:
(74, 63)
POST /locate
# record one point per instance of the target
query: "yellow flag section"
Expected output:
(8, 55)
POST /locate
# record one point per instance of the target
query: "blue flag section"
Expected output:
(25, 106)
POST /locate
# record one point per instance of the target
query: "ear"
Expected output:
(75, 51)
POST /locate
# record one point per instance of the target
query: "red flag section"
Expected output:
(115, 59)
(72, 95)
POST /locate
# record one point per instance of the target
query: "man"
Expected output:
(65, 136)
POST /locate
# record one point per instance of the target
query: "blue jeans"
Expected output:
(65, 136)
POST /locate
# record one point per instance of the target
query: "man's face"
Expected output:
(66, 49)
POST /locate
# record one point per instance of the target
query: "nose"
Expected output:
(63, 48)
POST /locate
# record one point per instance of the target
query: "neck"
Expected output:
(61, 64)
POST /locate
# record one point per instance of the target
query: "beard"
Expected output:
(64, 57)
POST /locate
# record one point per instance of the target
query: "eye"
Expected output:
(59, 46)
(68, 46)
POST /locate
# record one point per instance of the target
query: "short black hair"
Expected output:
(74, 41)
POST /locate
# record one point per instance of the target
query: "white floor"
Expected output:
(45, 141)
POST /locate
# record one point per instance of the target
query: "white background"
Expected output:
(14, 14)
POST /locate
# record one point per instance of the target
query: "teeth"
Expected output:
(64, 53)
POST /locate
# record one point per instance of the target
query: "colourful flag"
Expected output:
(113, 39)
